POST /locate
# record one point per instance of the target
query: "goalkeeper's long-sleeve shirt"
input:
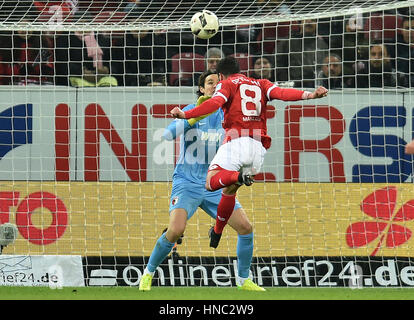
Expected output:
(198, 144)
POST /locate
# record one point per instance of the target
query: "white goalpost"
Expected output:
(85, 93)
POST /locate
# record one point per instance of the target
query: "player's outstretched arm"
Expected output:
(318, 93)
(205, 108)
(292, 94)
(177, 113)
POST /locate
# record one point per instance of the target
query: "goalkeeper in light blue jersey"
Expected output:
(199, 141)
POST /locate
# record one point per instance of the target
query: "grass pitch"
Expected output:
(203, 293)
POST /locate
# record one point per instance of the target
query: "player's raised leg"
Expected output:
(235, 164)
(164, 245)
(224, 211)
(230, 181)
(218, 179)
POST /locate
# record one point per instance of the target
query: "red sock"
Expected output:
(224, 211)
(223, 178)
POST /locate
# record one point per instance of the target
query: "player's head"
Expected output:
(207, 83)
(228, 66)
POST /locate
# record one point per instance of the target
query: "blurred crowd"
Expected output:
(371, 50)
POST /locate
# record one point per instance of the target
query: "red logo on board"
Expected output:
(381, 206)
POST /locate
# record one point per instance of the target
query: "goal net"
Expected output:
(86, 88)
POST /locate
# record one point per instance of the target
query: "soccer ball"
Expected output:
(204, 24)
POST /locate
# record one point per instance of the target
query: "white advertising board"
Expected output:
(43, 270)
(114, 134)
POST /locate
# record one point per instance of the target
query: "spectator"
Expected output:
(82, 59)
(135, 9)
(378, 72)
(140, 58)
(212, 57)
(132, 5)
(26, 58)
(56, 11)
(355, 45)
(263, 68)
(299, 55)
(330, 76)
(405, 52)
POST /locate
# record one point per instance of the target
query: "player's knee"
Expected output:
(245, 228)
(173, 237)
(175, 232)
(179, 230)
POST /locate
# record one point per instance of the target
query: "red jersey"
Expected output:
(244, 101)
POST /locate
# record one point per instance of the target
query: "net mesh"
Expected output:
(84, 171)
(125, 15)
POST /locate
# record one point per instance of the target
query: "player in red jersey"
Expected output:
(243, 101)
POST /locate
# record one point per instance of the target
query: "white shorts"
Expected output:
(243, 153)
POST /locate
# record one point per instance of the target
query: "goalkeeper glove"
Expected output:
(192, 121)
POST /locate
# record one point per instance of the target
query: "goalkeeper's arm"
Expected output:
(193, 121)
